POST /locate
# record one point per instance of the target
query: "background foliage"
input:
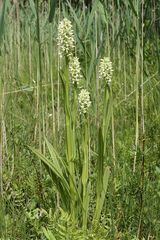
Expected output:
(31, 102)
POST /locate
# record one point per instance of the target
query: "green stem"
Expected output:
(70, 141)
(40, 94)
(1, 159)
(107, 111)
(85, 171)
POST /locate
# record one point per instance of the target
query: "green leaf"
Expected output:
(33, 7)
(53, 4)
(76, 19)
(107, 112)
(54, 156)
(58, 177)
(133, 8)
(100, 162)
(2, 18)
(86, 205)
(101, 198)
(48, 234)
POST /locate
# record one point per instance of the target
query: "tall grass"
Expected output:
(118, 141)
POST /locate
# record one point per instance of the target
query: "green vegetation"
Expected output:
(80, 143)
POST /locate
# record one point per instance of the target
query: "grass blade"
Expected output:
(53, 4)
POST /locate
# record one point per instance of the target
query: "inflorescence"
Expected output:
(105, 70)
(75, 70)
(66, 42)
(84, 101)
(66, 45)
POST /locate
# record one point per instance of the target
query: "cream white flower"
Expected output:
(84, 101)
(75, 70)
(66, 42)
(105, 70)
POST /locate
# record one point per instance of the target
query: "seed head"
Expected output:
(84, 101)
(66, 42)
(75, 70)
(105, 70)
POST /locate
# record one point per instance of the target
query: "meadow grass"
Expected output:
(68, 175)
